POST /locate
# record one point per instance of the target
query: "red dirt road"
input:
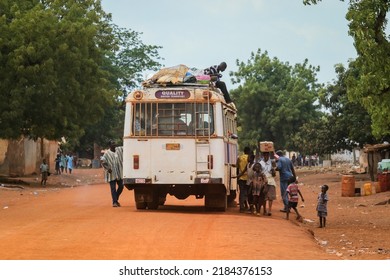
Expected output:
(78, 223)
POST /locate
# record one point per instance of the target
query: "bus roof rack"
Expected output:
(155, 85)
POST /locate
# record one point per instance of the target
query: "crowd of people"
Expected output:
(64, 163)
(305, 160)
(257, 185)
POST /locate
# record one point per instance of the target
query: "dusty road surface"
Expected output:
(72, 219)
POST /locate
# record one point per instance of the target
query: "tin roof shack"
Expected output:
(375, 154)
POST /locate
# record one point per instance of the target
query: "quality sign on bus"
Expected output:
(172, 94)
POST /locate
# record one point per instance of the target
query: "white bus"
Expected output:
(180, 140)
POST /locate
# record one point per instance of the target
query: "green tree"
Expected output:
(126, 64)
(315, 137)
(371, 87)
(130, 59)
(65, 70)
(343, 125)
(51, 67)
(347, 116)
(274, 99)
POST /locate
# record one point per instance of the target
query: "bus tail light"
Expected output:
(210, 161)
(136, 161)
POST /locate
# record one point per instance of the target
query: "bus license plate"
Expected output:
(140, 181)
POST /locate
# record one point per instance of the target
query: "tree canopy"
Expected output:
(342, 124)
(274, 99)
(126, 64)
(63, 66)
(369, 83)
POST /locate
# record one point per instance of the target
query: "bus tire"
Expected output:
(215, 202)
(153, 205)
(140, 205)
(139, 198)
(161, 199)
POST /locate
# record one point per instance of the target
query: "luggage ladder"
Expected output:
(202, 139)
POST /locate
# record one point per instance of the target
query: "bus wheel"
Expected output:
(216, 202)
(139, 198)
(161, 199)
(153, 205)
(140, 205)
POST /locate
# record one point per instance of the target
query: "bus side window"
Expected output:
(229, 122)
(143, 120)
(138, 120)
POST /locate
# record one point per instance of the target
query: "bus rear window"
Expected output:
(172, 119)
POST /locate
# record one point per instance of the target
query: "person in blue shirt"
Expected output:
(69, 163)
(286, 171)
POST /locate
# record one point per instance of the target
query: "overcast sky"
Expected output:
(201, 33)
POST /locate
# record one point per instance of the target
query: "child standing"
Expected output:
(44, 168)
(322, 205)
(259, 181)
(250, 172)
(292, 196)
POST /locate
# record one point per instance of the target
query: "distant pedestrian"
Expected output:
(294, 160)
(292, 193)
(57, 164)
(69, 163)
(322, 205)
(112, 162)
(62, 162)
(44, 168)
(299, 159)
(65, 162)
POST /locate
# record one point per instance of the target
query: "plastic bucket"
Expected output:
(367, 189)
(348, 185)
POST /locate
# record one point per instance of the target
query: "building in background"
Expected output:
(24, 156)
